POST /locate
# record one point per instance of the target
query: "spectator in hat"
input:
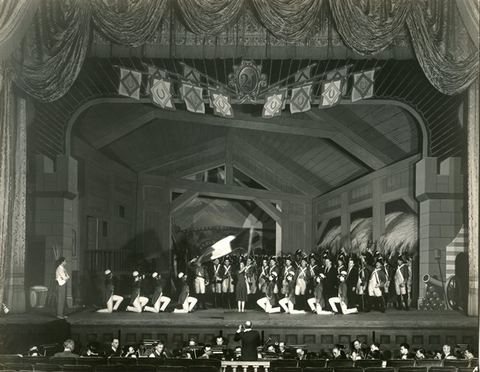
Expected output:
(187, 302)
(342, 297)
(112, 300)
(288, 302)
(376, 284)
(137, 301)
(401, 279)
(159, 301)
(267, 302)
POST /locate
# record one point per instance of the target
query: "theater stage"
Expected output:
(430, 329)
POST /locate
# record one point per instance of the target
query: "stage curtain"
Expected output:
(209, 17)
(53, 51)
(13, 171)
(15, 18)
(129, 23)
(368, 27)
(448, 60)
(288, 20)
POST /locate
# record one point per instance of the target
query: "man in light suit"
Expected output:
(250, 341)
(61, 277)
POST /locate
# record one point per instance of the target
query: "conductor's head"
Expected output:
(248, 324)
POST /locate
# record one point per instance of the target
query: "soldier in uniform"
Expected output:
(376, 284)
(109, 297)
(217, 278)
(200, 280)
(263, 276)
(329, 282)
(159, 301)
(138, 301)
(287, 268)
(401, 280)
(314, 270)
(227, 283)
(274, 268)
(301, 280)
(351, 280)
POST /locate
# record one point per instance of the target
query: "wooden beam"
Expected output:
(124, 127)
(397, 194)
(391, 169)
(182, 200)
(321, 229)
(217, 190)
(282, 171)
(351, 142)
(256, 177)
(268, 208)
(247, 121)
(229, 160)
(411, 202)
(200, 167)
(181, 154)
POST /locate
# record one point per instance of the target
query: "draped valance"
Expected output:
(54, 46)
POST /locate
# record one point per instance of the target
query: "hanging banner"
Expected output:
(191, 74)
(300, 101)
(340, 73)
(221, 104)
(161, 95)
(274, 103)
(130, 82)
(303, 75)
(193, 97)
(154, 73)
(363, 85)
(331, 93)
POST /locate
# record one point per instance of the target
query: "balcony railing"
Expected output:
(113, 259)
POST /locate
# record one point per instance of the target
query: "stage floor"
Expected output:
(230, 319)
(430, 329)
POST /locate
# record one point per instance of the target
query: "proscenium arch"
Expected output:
(97, 101)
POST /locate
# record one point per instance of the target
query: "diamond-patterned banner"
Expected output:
(193, 97)
(154, 73)
(331, 93)
(274, 103)
(303, 75)
(191, 74)
(161, 94)
(221, 104)
(130, 82)
(363, 85)
(300, 101)
(340, 73)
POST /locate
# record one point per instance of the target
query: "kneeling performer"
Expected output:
(288, 302)
(159, 301)
(268, 301)
(137, 301)
(317, 303)
(109, 296)
(187, 302)
(342, 297)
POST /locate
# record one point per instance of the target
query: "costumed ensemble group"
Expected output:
(292, 284)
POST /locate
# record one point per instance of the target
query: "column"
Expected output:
(473, 193)
(440, 197)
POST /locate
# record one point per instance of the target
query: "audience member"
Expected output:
(67, 352)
